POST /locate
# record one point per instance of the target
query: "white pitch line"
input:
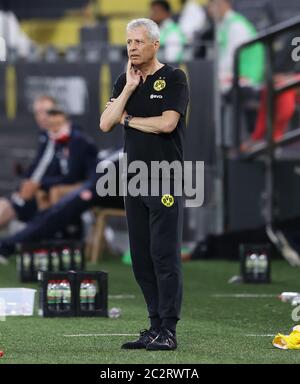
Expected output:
(135, 334)
(253, 335)
(245, 295)
(121, 296)
(101, 334)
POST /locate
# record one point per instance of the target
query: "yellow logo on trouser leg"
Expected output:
(167, 200)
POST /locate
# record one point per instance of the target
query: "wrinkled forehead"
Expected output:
(138, 33)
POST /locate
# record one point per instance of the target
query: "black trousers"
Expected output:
(155, 233)
(25, 212)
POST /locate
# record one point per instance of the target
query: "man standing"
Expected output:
(151, 100)
(172, 38)
(234, 30)
(192, 19)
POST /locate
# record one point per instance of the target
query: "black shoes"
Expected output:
(165, 341)
(153, 340)
(146, 337)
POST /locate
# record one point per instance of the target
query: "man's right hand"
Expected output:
(133, 76)
(28, 189)
(114, 109)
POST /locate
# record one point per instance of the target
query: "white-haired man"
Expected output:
(151, 100)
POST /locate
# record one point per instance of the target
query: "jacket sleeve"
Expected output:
(38, 155)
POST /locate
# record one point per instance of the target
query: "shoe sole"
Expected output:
(132, 347)
(162, 348)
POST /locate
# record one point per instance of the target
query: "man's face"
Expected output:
(217, 9)
(56, 123)
(40, 108)
(141, 50)
(158, 14)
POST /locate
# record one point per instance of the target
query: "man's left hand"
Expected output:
(109, 103)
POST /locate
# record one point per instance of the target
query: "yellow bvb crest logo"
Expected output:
(159, 85)
(167, 200)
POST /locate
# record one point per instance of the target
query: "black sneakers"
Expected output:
(146, 337)
(165, 341)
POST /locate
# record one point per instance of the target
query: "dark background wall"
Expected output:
(26, 9)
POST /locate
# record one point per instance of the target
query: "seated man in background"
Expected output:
(65, 212)
(66, 160)
(72, 164)
(21, 204)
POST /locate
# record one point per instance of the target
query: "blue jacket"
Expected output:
(74, 161)
(42, 144)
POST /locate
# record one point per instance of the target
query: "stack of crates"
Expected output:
(255, 263)
(73, 294)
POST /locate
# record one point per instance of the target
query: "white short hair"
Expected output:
(150, 26)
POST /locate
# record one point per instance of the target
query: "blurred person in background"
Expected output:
(72, 163)
(67, 211)
(285, 106)
(22, 204)
(11, 32)
(284, 109)
(88, 12)
(67, 186)
(64, 160)
(192, 19)
(233, 29)
(172, 38)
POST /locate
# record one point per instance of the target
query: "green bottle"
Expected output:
(83, 295)
(77, 259)
(91, 294)
(26, 262)
(55, 261)
(66, 259)
(51, 295)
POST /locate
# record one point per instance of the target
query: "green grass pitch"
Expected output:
(213, 329)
